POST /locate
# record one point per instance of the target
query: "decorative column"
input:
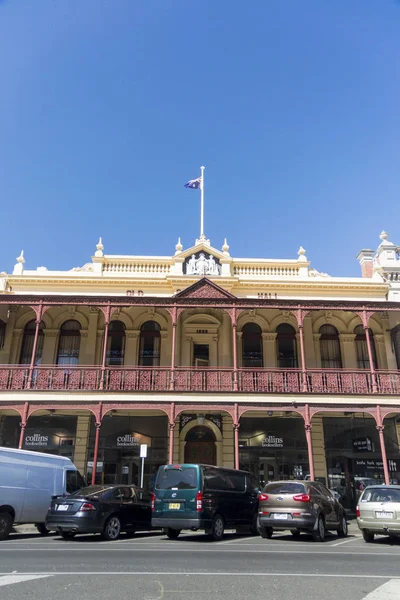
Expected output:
(39, 313)
(300, 320)
(317, 350)
(103, 362)
(173, 350)
(370, 355)
(380, 427)
(96, 442)
(171, 434)
(23, 424)
(234, 347)
(308, 427)
(236, 426)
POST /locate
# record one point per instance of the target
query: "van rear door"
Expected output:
(176, 489)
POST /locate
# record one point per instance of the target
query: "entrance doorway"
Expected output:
(200, 446)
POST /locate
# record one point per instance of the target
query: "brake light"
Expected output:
(358, 513)
(263, 497)
(87, 506)
(199, 501)
(153, 499)
(302, 498)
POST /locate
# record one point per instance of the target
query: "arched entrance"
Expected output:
(200, 446)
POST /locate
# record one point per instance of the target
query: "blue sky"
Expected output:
(107, 107)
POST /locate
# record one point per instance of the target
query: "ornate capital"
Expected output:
(84, 333)
(380, 428)
(97, 425)
(379, 338)
(172, 426)
(50, 333)
(269, 337)
(316, 337)
(308, 427)
(347, 338)
(236, 426)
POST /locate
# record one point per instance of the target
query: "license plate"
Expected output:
(283, 516)
(63, 507)
(384, 515)
(174, 506)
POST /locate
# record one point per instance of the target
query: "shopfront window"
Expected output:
(252, 354)
(51, 433)
(286, 346)
(273, 448)
(69, 343)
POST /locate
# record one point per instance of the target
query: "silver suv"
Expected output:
(300, 506)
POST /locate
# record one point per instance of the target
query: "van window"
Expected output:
(235, 481)
(284, 488)
(182, 478)
(214, 479)
(74, 482)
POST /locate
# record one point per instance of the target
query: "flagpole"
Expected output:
(202, 203)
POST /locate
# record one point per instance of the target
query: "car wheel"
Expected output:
(319, 533)
(217, 528)
(368, 536)
(172, 534)
(112, 528)
(295, 533)
(6, 523)
(266, 532)
(67, 535)
(343, 529)
(42, 529)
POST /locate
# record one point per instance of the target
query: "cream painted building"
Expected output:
(261, 364)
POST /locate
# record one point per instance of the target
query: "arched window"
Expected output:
(27, 344)
(2, 334)
(69, 343)
(115, 344)
(395, 335)
(150, 342)
(252, 348)
(362, 348)
(286, 346)
(331, 357)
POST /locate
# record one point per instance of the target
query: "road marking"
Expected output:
(235, 540)
(209, 574)
(388, 591)
(10, 579)
(344, 542)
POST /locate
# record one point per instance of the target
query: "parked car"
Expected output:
(201, 497)
(27, 481)
(104, 509)
(300, 506)
(378, 511)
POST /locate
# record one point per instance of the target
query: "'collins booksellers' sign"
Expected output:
(127, 441)
(35, 440)
(272, 442)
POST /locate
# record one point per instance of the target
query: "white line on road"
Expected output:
(235, 540)
(341, 543)
(388, 591)
(209, 574)
(10, 579)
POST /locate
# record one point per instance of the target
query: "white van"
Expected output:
(27, 482)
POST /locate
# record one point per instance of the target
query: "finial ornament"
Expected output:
(384, 236)
(100, 248)
(225, 247)
(178, 247)
(21, 258)
(302, 254)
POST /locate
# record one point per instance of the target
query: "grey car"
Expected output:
(378, 511)
(300, 506)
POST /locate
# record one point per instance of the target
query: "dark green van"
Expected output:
(202, 497)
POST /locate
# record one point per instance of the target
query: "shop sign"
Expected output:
(363, 445)
(272, 442)
(36, 440)
(127, 441)
(370, 464)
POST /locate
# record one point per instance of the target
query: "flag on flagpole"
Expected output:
(194, 184)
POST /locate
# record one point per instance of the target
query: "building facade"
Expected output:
(267, 365)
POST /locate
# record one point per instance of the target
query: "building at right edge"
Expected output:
(267, 365)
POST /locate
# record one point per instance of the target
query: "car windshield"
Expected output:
(284, 488)
(92, 490)
(380, 494)
(180, 478)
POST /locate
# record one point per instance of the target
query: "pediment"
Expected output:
(202, 248)
(205, 289)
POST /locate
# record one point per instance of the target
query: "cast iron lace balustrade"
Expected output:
(194, 379)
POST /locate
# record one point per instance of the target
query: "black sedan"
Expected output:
(105, 509)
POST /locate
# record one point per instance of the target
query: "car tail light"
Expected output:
(263, 497)
(302, 498)
(358, 514)
(199, 501)
(153, 500)
(87, 506)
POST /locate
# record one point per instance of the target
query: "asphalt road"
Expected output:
(151, 567)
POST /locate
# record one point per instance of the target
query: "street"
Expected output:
(151, 567)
